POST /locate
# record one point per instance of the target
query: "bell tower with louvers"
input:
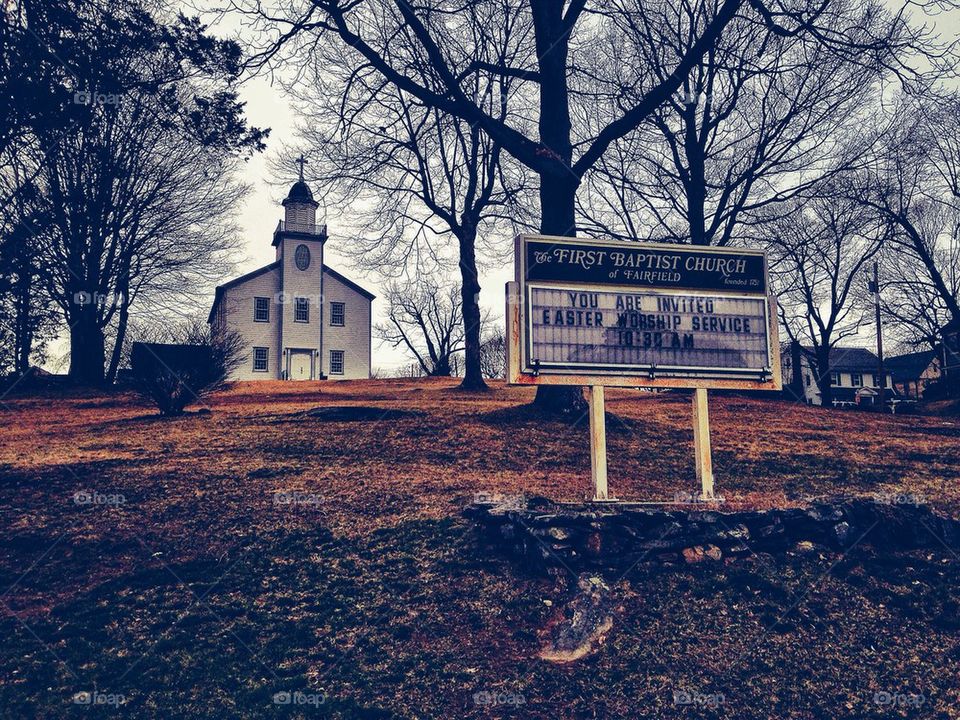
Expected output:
(299, 244)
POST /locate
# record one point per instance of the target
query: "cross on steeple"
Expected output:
(301, 161)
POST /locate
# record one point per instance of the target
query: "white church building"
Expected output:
(300, 319)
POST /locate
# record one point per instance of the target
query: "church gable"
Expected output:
(347, 283)
(254, 279)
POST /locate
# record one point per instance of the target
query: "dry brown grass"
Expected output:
(378, 593)
(192, 483)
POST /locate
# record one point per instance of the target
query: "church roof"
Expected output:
(348, 282)
(300, 192)
(238, 281)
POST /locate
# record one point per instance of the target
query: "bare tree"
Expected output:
(415, 177)
(28, 319)
(493, 353)
(426, 321)
(759, 119)
(911, 182)
(818, 259)
(136, 190)
(913, 306)
(425, 51)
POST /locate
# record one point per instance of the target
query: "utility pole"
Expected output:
(874, 287)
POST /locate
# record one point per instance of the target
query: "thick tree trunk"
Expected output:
(558, 183)
(24, 321)
(470, 296)
(87, 353)
(823, 377)
(696, 187)
(558, 212)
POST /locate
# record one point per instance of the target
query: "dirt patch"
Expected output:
(359, 413)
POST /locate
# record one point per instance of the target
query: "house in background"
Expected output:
(912, 372)
(300, 319)
(853, 376)
(951, 351)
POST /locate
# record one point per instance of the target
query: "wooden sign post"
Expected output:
(598, 444)
(701, 444)
(610, 313)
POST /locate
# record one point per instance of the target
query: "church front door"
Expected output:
(301, 365)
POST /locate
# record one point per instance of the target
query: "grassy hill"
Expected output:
(307, 538)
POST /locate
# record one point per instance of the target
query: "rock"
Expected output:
(582, 625)
(698, 553)
(841, 533)
(822, 513)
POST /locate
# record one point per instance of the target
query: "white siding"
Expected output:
(354, 337)
(301, 283)
(237, 308)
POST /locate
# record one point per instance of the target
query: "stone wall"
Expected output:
(617, 536)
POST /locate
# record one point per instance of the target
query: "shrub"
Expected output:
(176, 374)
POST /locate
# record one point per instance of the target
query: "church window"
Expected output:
(260, 362)
(337, 313)
(301, 310)
(336, 362)
(261, 309)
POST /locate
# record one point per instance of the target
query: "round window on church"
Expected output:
(301, 257)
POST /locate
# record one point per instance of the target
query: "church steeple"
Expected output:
(301, 208)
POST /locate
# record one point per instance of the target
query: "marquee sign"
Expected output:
(593, 312)
(598, 313)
